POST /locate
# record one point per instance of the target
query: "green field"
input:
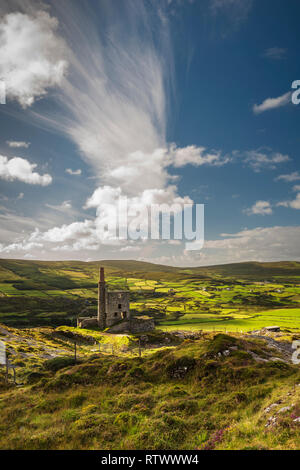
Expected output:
(181, 391)
(285, 318)
(238, 297)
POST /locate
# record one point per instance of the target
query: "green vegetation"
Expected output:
(285, 318)
(208, 393)
(219, 389)
(236, 297)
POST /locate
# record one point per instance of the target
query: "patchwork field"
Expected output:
(186, 385)
(239, 297)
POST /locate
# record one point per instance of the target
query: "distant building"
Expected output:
(272, 329)
(114, 312)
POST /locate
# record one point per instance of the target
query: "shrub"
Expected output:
(220, 343)
(70, 415)
(180, 367)
(126, 420)
(77, 400)
(89, 409)
(59, 363)
(136, 372)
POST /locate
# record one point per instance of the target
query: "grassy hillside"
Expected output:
(253, 269)
(229, 297)
(218, 392)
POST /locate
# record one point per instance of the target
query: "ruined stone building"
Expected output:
(114, 312)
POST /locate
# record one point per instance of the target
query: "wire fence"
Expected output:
(78, 351)
(82, 350)
(115, 349)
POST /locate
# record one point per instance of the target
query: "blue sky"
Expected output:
(156, 101)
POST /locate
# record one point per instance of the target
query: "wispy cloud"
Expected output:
(258, 244)
(290, 177)
(262, 158)
(196, 156)
(272, 103)
(65, 206)
(262, 244)
(114, 101)
(18, 144)
(275, 53)
(113, 104)
(73, 172)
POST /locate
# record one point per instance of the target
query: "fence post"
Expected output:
(75, 351)
(140, 352)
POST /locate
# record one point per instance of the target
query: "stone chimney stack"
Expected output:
(101, 300)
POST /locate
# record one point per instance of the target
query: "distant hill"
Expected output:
(54, 293)
(252, 269)
(64, 274)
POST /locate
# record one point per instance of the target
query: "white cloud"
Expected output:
(92, 235)
(289, 178)
(65, 206)
(263, 158)
(73, 172)
(114, 107)
(294, 204)
(114, 103)
(272, 103)
(65, 233)
(114, 98)
(261, 244)
(130, 248)
(110, 195)
(80, 241)
(20, 196)
(103, 195)
(275, 53)
(20, 169)
(31, 55)
(18, 144)
(260, 208)
(196, 156)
